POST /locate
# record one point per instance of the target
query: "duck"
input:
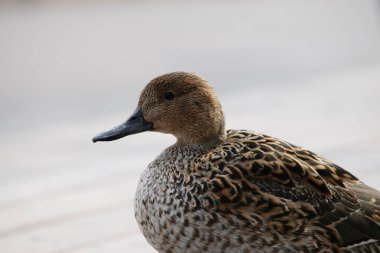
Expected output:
(240, 191)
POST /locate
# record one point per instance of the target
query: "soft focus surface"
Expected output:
(304, 71)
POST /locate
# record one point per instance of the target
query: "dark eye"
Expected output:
(169, 95)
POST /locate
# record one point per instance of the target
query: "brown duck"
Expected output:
(239, 191)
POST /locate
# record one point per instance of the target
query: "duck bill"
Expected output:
(135, 124)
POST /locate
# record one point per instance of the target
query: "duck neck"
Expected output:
(201, 142)
(205, 130)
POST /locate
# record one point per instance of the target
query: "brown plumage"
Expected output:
(237, 190)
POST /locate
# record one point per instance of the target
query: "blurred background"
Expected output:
(307, 71)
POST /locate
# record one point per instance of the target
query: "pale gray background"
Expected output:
(307, 71)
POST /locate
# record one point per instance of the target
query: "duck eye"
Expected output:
(169, 95)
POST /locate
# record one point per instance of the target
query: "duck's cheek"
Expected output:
(160, 126)
(151, 116)
(157, 126)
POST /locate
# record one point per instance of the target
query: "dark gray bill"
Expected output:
(135, 124)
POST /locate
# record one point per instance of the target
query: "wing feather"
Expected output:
(289, 182)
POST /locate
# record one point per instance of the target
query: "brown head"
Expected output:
(177, 103)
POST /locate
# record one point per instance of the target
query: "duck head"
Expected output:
(177, 103)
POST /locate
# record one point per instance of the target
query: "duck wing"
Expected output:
(294, 188)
